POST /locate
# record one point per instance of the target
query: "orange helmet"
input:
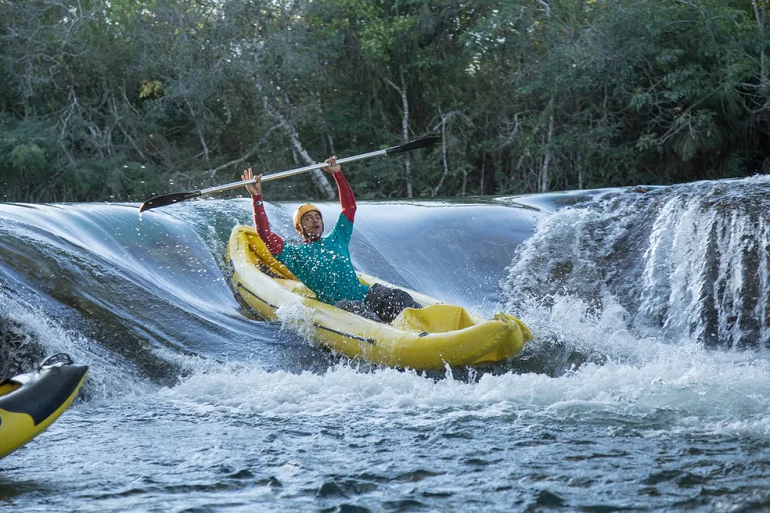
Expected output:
(301, 211)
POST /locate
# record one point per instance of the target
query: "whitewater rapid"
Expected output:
(194, 404)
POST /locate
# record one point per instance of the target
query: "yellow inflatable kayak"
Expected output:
(29, 403)
(424, 339)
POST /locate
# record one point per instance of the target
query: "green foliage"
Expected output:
(120, 100)
(27, 157)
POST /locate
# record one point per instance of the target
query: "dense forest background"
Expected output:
(124, 99)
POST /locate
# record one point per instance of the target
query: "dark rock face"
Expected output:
(19, 353)
(690, 262)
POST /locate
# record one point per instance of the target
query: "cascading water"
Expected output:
(193, 404)
(689, 262)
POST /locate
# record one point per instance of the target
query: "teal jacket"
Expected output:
(324, 266)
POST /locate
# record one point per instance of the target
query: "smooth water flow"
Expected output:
(647, 385)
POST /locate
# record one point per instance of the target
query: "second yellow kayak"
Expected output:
(29, 403)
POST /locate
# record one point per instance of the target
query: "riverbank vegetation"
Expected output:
(125, 99)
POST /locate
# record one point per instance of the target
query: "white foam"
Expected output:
(295, 318)
(705, 391)
(108, 375)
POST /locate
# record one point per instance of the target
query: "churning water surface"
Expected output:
(647, 385)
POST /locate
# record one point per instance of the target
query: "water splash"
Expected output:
(687, 263)
(295, 318)
(36, 334)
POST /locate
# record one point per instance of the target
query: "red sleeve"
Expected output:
(273, 241)
(347, 200)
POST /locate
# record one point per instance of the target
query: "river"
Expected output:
(647, 386)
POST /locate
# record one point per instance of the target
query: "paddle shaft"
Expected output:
(291, 172)
(170, 199)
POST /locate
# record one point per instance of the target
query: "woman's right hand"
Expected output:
(253, 188)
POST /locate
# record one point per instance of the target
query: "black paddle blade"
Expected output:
(168, 199)
(425, 142)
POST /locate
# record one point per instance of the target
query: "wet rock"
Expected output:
(19, 353)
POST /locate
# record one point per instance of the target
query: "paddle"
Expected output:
(176, 197)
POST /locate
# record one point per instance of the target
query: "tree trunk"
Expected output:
(404, 128)
(200, 133)
(445, 119)
(317, 176)
(547, 159)
(760, 15)
(434, 190)
(580, 173)
(546, 7)
(325, 126)
(481, 180)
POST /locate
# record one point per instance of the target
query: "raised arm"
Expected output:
(347, 199)
(273, 241)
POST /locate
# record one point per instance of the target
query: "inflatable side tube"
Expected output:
(33, 401)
